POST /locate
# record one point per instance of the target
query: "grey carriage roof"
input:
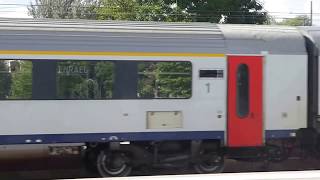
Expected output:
(257, 38)
(314, 32)
(122, 36)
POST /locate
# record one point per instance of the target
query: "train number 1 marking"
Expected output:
(208, 87)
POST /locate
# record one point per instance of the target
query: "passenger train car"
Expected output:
(137, 94)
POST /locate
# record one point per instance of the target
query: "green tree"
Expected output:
(175, 79)
(230, 11)
(141, 10)
(297, 21)
(226, 11)
(117, 10)
(104, 72)
(84, 80)
(21, 86)
(164, 80)
(233, 11)
(64, 9)
(5, 80)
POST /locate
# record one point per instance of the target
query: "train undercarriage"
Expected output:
(207, 156)
(118, 159)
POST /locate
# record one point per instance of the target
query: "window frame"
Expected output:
(64, 60)
(16, 59)
(114, 62)
(174, 61)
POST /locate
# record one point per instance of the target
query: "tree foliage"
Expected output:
(5, 80)
(232, 11)
(164, 80)
(84, 80)
(297, 21)
(226, 11)
(21, 86)
(140, 10)
(64, 9)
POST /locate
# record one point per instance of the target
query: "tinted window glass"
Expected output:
(76, 79)
(164, 80)
(211, 73)
(243, 90)
(126, 78)
(15, 79)
(84, 80)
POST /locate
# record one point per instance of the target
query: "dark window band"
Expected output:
(94, 80)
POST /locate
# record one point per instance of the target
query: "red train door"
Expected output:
(245, 126)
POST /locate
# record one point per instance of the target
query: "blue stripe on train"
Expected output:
(105, 137)
(134, 136)
(278, 134)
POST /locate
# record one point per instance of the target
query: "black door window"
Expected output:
(243, 90)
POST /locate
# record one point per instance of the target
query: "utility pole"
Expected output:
(311, 14)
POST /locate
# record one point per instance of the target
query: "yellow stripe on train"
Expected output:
(93, 53)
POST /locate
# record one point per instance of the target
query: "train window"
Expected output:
(211, 73)
(15, 79)
(164, 80)
(243, 90)
(84, 79)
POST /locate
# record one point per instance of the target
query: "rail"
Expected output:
(282, 175)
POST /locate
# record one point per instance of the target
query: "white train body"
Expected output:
(282, 99)
(103, 120)
(35, 121)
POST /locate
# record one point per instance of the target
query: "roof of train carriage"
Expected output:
(123, 36)
(314, 32)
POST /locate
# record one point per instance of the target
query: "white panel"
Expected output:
(204, 111)
(285, 78)
(164, 120)
(209, 106)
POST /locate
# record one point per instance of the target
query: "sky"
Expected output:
(288, 8)
(11, 11)
(277, 8)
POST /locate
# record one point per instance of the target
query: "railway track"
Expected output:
(70, 167)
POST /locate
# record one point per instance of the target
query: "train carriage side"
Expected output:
(123, 64)
(282, 83)
(57, 114)
(162, 95)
